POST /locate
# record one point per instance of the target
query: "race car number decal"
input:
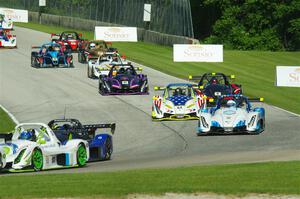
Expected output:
(124, 82)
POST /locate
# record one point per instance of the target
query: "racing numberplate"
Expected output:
(124, 82)
(2, 141)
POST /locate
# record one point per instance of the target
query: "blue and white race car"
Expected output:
(100, 141)
(233, 114)
(7, 39)
(51, 55)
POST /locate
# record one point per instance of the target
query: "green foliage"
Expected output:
(257, 24)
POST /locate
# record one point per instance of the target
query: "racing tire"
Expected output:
(33, 64)
(81, 155)
(108, 148)
(37, 160)
(79, 58)
(89, 72)
(101, 89)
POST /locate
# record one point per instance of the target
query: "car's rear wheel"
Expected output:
(81, 155)
(79, 58)
(32, 61)
(37, 159)
(101, 88)
(108, 148)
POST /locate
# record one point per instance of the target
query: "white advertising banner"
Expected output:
(147, 12)
(116, 33)
(15, 14)
(288, 76)
(42, 2)
(197, 53)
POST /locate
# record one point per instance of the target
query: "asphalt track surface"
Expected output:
(39, 95)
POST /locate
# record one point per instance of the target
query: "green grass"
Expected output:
(6, 124)
(255, 70)
(239, 179)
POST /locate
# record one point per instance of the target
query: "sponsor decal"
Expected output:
(197, 53)
(116, 33)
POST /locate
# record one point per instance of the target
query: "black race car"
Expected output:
(101, 145)
(123, 79)
(214, 85)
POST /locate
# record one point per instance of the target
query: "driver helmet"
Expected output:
(56, 48)
(26, 135)
(92, 46)
(70, 36)
(214, 81)
(177, 91)
(231, 103)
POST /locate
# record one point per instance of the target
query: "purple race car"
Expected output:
(123, 79)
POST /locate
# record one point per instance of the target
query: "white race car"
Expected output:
(180, 101)
(2, 159)
(232, 114)
(7, 40)
(103, 64)
(34, 146)
(6, 23)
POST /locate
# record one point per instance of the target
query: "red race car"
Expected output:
(68, 38)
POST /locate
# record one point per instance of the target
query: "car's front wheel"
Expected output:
(81, 155)
(37, 159)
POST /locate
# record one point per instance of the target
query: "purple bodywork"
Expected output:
(123, 81)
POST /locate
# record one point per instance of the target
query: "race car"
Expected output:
(35, 147)
(103, 64)
(51, 55)
(233, 114)
(71, 38)
(123, 79)
(2, 159)
(100, 144)
(7, 40)
(214, 85)
(91, 50)
(6, 23)
(179, 101)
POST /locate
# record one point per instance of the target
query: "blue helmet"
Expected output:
(26, 135)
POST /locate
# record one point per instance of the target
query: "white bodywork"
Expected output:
(47, 142)
(7, 23)
(231, 119)
(10, 43)
(102, 65)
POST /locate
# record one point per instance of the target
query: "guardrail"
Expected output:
(85, 24)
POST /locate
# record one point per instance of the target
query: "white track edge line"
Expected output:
(14, 119)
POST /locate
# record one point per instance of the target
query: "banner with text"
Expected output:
(116, 33)
(15, 15)
(197, 53)
(288, 76)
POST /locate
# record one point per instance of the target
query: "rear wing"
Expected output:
(4, 137)
(198, 77)
(256, 99)
(112, 126)
(159, 88)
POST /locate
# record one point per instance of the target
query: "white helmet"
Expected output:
(231, 103)
(92, 46)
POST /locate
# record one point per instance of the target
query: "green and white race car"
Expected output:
(35, 147)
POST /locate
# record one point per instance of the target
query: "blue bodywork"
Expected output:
(53, 55)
